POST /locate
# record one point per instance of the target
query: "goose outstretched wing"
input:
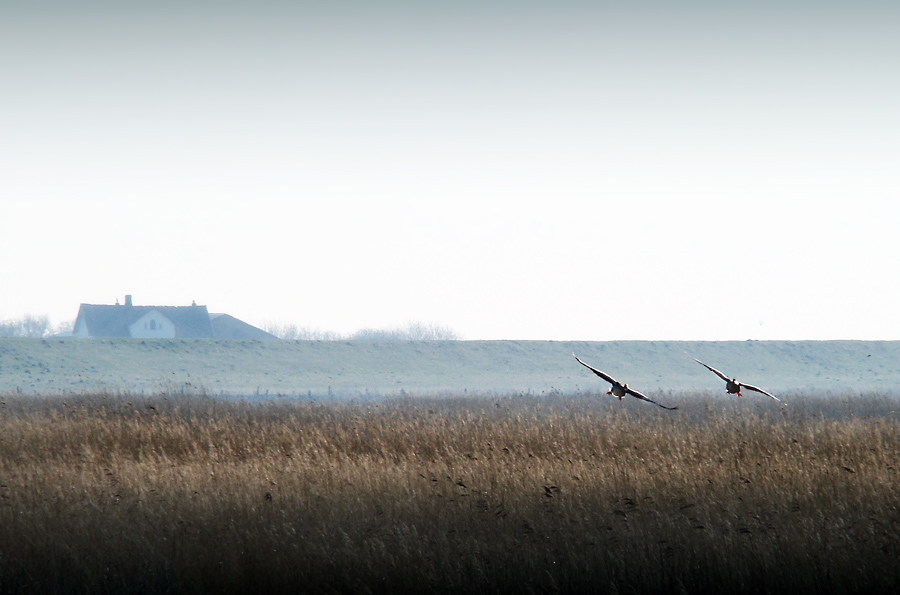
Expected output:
(711, 369)
(759, 390)
(634, 393)
(602, 375)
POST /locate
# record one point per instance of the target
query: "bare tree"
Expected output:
(375, 334)
(27, 326)
(35, 326)
(9, 328)
(292, 332)
(282, 331)
(64, 328)
(309, 334)
(414, 331)
(418, 331)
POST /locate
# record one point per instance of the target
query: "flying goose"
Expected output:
(733, 386)
(618, 389)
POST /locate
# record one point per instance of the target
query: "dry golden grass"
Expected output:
(118, 493)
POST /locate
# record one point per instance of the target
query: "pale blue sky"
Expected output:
(511, 170)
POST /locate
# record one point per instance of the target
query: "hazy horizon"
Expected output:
(564, 171)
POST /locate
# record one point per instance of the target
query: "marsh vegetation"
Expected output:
(564, 493)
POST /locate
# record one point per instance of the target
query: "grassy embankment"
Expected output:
(102, 493)
(389, 368)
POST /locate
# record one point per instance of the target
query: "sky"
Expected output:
(509, 170)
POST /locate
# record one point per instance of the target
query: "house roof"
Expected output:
(229, 327)
(191, 322)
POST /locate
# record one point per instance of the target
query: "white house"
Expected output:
(152, 325)
(160, 322)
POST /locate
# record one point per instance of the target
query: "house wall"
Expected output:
(152, 325)
(81, 330)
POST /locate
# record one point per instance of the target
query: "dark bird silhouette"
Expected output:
(733, 386)
(618, 389)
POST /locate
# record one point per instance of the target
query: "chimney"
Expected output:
(128, 300)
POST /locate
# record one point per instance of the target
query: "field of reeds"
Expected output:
(562, 493)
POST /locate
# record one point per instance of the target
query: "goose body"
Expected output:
(619, 389)
(732, 385)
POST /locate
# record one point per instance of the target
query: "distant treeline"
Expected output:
(31, 325)
(414, 331)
